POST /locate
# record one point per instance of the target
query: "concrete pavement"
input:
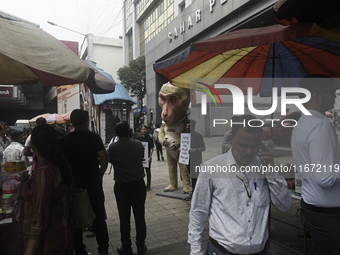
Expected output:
(167, 218)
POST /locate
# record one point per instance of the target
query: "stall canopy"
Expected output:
(120, 92)
(29, 55)
(269, 52)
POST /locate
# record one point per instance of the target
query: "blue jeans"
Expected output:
(212, 250)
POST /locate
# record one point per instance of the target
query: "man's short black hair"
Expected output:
(314, 83)
(3, 123)
(15, 134)
(242, 121)
(40, 121)
(122, 129)
(79, 117)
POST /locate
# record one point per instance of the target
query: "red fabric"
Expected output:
(193, 99)
(250, 66)
(246, 68)
(285, 22)
(49, 80)
(193, 60)
(73, 46)
(254, 37)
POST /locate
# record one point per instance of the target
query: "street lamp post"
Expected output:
(86, 36)
(53, 24)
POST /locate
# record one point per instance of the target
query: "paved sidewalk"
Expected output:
(167, 218)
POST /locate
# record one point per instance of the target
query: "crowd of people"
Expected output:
(236, 202)
(62, 162)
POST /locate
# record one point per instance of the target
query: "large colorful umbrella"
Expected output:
(55, 118)
(269, 52)
(45, 115)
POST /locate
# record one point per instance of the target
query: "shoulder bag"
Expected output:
(81, 211)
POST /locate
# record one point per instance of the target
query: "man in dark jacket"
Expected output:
(126, 156)
(82, 149)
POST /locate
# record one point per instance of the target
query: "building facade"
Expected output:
(107, 54)
(160, 29)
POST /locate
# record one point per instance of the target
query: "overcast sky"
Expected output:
(97, 17)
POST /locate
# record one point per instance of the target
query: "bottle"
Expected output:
(7, 204)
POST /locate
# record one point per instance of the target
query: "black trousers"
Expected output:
(159, 150)
(96, 196)
(148, 175)
(131, 194)
(193, 176)
(324, 229)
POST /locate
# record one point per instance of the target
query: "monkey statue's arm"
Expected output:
(176, 145)
(180, 129)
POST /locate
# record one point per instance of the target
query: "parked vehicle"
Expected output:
(24, 126)
(22, 123)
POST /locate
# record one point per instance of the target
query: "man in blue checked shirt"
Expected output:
(237, 198)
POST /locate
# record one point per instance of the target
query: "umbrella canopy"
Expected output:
(268, 52)
(120, 92)
(55, 118)
(45, 115)
(66, 116)
(29, 55)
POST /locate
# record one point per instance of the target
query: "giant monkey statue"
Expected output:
(174, 102)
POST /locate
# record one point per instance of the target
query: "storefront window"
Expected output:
(130, 47)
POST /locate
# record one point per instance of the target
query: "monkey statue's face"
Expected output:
(174, 102)
(169, 103)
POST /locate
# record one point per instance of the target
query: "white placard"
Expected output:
(298, 184)
(146, 153)
(185, 147)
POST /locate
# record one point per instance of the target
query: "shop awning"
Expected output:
(29, 55)
(120, 92)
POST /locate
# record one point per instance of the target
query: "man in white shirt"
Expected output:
(238, 197)
(15, 151)
(4, 142)
(316, 152)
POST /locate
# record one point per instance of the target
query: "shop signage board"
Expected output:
(6, 91)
